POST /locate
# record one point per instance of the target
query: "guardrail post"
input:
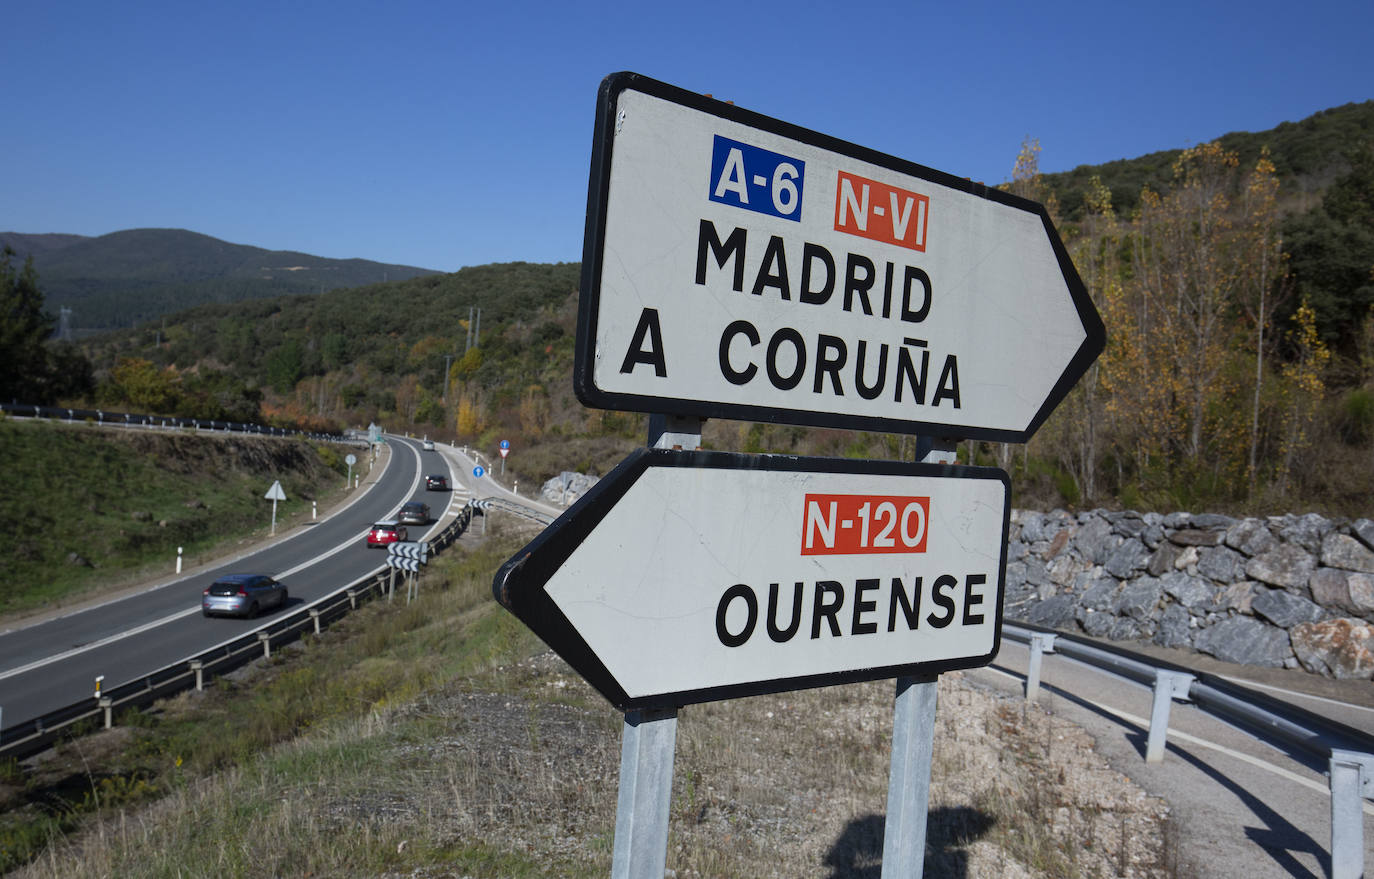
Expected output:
(1040, 644)
(1169, 685)
(107, 705)
(353, 599)
(199, 668)
(315, 615)
(1352, 779)
(266, 640)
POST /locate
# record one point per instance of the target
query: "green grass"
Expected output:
(87, 507)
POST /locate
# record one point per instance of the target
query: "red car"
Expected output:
(384, 533)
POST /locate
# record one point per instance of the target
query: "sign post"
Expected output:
(275, 494)
(737, 266)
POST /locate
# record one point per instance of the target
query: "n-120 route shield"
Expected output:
(687, 577)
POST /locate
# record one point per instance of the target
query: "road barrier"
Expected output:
(34, 735)
(160, 422)
(1344, 753)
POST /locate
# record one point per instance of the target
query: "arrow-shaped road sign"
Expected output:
(738, 266)
(685, 577)
(403, 564)
(408, 550)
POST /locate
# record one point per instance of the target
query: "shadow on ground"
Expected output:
(858, 853)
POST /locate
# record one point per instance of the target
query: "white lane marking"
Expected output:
(190, 611)
(1172, 733)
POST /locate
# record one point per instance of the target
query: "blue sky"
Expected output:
(451, 134)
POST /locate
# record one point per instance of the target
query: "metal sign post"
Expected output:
(275, 494)
(737, 266)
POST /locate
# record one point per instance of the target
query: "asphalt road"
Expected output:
(1244, 809)
(49, 663)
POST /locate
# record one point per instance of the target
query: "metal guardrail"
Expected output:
(138, 419)
(34, 735)
(1347, 754)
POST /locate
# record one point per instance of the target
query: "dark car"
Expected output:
(386, 533)
(414, 513)
(436, 482)
(242, 595)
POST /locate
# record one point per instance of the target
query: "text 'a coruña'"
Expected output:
(786, 358)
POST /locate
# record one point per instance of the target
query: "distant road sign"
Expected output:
(275, 493)
(409, 549)
(686, 577)
(478, 471)
(738, 266)
(505, 444)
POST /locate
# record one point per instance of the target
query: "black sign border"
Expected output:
(594, 239)
(519, 583)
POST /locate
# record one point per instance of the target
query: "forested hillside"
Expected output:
(1235, 278)
(125, 278)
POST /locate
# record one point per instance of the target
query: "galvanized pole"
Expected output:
(649, 739)
(913, 742)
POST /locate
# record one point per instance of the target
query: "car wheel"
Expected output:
(285, 597)
(204, 612)
(252, 610)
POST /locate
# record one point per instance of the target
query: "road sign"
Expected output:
(504, 453)
(350, 459)
(505, 445)
(478, 471)
(738, 266)
(409, 549)
(403, 564)
(686, 577)
(275, 493)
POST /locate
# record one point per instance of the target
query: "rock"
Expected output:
(1065, 569)
(1174, 628)
(1162, 561)
(1344, 551)
(1221, 563)
(77, 560)
(1174, 521)
(1033, 527)
(1128, 629)
(1245, 640)
(1186, 559)
(1095, 623)
(1095, 541)
(1053, 612)
(1362, 593)
(1363, 529)
(1126, 559)
(1190, 592)
(1286, 565)
(1101, 595)
(1153, 535)
(1251, 537)
(1196, 537)
(1035, 572)
(1127, 524)
(1342, 648)
(1330, 588)
(566, 487)
(1238, 596)
(1212, 521)
(1138, 598)
(1057, 545)
(1306, 531)
(1284, 609)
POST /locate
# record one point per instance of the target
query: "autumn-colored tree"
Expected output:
(534, 411)
(1306, 380)
(144, 386)
(470, 420)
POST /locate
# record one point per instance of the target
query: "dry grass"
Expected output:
(509, 768)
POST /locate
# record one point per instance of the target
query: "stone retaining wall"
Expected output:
(1290, 591)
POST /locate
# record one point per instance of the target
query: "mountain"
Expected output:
(1308, 155)
(125, 278)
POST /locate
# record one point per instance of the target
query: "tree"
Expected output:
(24, 327)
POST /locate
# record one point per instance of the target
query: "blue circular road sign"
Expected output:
(478, 471)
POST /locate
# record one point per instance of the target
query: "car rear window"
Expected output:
(224, 588)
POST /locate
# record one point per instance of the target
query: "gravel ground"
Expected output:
(792, 785)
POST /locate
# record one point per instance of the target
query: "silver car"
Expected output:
(242, 595)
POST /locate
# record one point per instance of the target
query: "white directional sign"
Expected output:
(403, 564)
(691, 576)
(409, 550)
(738, 266)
